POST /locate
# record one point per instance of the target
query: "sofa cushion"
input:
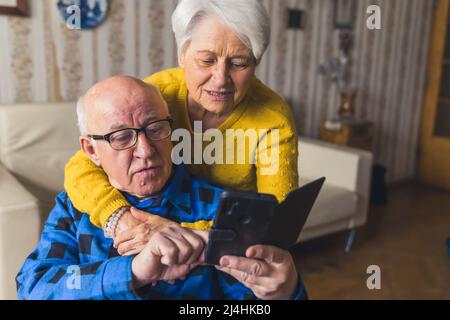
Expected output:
(34, 146)
(19, 230)
(333, 204)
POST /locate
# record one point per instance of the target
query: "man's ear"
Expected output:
(87, 146)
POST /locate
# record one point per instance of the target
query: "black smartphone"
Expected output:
(240, 222)
(244, 219)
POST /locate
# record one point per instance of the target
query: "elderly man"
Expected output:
(125, 128)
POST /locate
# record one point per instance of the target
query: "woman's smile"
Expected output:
(219, 95)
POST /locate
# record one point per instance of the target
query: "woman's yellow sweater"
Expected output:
(262, 110)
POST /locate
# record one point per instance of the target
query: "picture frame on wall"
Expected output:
(344, 14)
(14, 7)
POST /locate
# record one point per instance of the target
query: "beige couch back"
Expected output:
(36, 140)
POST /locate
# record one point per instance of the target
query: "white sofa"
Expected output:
(344, 199)
(37, 140)
(35, 143)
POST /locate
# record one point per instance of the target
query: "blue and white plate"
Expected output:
(91, 12)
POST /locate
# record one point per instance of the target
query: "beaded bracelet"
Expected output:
(110, 226)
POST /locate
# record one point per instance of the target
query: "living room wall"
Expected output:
(42, 61)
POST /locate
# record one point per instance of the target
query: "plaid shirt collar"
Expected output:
(177, 192)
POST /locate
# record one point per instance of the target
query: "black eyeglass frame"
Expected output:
(107, 137)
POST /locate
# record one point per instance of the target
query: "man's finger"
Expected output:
(185, 248)
(163, 247)
(202, 234)
(270, 254)
(196, 243)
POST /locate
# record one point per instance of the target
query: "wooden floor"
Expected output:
(406, 239)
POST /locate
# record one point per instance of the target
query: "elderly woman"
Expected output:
(220, 43)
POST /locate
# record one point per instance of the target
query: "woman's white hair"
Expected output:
(247, 18)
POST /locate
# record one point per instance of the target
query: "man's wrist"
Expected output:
(117, 279)
(139, 281)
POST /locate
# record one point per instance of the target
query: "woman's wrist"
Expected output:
(110, 226)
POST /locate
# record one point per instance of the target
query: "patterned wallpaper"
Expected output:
(41, 60)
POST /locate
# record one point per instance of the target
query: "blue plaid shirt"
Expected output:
(74, 260)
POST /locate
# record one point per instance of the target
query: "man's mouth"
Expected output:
(148, 170)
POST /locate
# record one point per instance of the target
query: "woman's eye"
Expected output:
(207, 62)
(239, 65)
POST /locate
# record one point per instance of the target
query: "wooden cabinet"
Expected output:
(352, 133)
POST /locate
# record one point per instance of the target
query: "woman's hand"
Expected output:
(127, 221)
(268, 271)
(135, 229)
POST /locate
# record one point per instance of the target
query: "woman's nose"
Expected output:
(221, 74)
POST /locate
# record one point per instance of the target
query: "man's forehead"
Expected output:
(115, 115)
(120, 102)
(125, 120)
(123, 92)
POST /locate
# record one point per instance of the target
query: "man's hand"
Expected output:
(171, 253)
(135, 229)
(268, 271)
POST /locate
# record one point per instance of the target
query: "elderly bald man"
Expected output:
(125, 128)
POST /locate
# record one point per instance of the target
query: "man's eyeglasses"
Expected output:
(127, 138)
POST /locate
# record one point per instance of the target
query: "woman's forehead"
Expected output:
(229, 47)
(213, 36)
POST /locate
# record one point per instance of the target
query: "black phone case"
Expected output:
(244, 219)
(240, 223)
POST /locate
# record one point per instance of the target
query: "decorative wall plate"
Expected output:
(92, 12)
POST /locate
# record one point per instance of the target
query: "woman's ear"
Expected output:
(87, 145)
(181, 60)
(182, 55)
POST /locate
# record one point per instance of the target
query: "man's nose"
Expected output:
(144, 148)
(221, 74)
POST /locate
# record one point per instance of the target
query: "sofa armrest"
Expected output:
(19, 230)
(342, 166)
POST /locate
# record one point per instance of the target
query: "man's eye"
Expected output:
(122, 136)
(154, 129)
